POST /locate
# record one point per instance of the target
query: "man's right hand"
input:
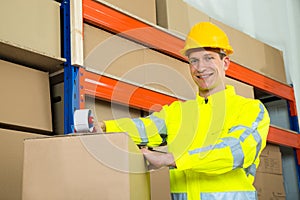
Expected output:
(102, 126)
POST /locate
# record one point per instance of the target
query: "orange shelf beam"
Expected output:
(284, 137)
(114, 21)
(110, 89)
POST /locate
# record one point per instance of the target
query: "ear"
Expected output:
(226, 62)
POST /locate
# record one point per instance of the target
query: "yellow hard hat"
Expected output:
(206, 34)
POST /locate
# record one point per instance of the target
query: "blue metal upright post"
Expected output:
(71, 84)
(294, 125)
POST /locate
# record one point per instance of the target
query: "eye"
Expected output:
(194, 61)
(208, 58)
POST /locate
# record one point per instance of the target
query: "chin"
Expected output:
(205, 87)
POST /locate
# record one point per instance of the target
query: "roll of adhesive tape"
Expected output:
(83, 121)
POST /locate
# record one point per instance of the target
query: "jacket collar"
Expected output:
(222, 95)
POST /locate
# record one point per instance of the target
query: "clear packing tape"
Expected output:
(86, 122)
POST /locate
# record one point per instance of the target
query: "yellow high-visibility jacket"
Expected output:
(216, 143)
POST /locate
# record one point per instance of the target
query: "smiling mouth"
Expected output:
(204, 76)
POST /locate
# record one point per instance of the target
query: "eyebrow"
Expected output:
(207, 54)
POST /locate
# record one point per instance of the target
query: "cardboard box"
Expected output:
(269, 181)
(25, 98)
(111, 54)
(159, 184)
(11, 168)
(270, 160)
(145, 9)
(32, 24)
(269, 186)
(167, 16)
(106, 166)
(270, 147)
(242, 89)
(254, 54)
(58, 108)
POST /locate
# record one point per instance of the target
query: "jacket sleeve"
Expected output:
(238, 147)
(147, 131)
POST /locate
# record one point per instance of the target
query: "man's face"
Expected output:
(208, 70)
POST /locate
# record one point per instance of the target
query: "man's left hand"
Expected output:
(158, 159)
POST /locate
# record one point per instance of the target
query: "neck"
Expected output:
(205, 93)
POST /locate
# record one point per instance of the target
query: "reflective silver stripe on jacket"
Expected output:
(141, 129)
(179, 196)
(251, 170)
(253, 130)
(161, 127)
(236, 195)
(236, 151)
(234, 143)
(235, 147)
(159, 123)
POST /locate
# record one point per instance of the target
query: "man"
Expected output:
(215, 140)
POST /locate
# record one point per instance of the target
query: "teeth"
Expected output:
(203, 76)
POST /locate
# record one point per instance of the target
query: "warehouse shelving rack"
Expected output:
(159, 39)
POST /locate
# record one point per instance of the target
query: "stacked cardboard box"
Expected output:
(11, 157)
(96, 166)
(269, 178)
(145, 10)
(58, 108)
(31, 36)
(31, 26)
(25, 98)
(167, 16)
(76, 167)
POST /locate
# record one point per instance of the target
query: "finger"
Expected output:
(145, 151)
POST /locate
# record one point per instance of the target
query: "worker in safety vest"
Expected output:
(215, 140)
